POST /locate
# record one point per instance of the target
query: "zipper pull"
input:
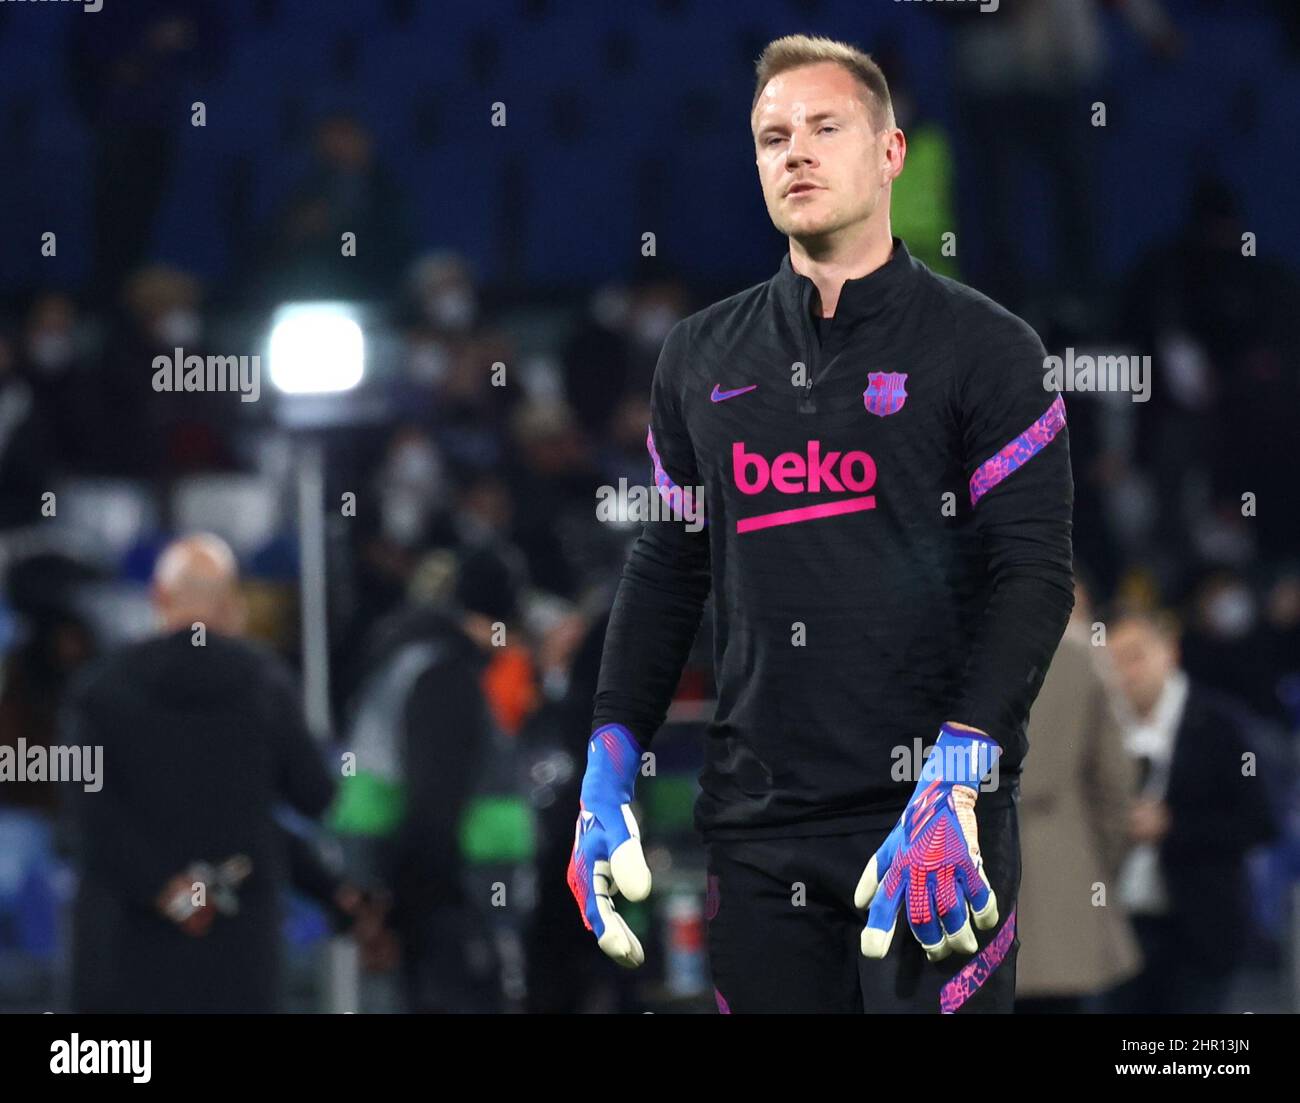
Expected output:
(806, 403)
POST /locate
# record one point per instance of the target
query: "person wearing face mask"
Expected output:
(452, 307)
(159, 312)
(656, 307)
(52, 362)
(1209, 776)
(24, 445)
(1226, 646)
(410, 491)
(1224, 385)
(51, 344)
(440, 311)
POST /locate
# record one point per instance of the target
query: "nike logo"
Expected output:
(719, 395)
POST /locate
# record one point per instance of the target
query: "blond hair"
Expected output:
(795, 50)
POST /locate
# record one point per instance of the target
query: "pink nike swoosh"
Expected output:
(719, 395)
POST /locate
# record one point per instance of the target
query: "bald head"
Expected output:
(197, 579)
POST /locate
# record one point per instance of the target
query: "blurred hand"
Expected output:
(1148, 821)
(176, 902)
(376, 943)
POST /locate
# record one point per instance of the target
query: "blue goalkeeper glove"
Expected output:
(932, 856)
(607, 856)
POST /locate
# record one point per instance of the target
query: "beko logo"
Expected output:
(812, 473)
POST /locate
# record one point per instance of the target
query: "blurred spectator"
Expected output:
(412, 490)
(554, 480)
(1219, 325)
(1024, 83)
(129, 76)
(140, 430)
(564, 976)
(596, 356)
(1282, 641)
(1225, 646)
(441, 317)
(48, 641)
(25, 459)
(1074, 803)
(473, 401)
(1208, 780)
(444, 301)
(55, 363)
(612, 352)
(346, 190)
(422, 732)
(200, 739)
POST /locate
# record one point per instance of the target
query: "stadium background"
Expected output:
(524, 244)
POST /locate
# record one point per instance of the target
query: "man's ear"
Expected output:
(891, 135)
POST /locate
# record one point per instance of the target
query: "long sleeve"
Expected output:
(302, 778)
(665, 582)
(1109, 776)
(1017, 457)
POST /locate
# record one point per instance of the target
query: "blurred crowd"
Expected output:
(475, 508)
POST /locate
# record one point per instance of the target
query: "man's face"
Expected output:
(1143, 661)
(820, 161)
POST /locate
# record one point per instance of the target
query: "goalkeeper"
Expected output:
(886, 486)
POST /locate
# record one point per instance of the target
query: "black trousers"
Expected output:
(1172, 981)
(784, 934)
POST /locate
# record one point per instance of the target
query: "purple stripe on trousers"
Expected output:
(976, 971)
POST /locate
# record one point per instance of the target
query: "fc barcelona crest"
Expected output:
(885, 393)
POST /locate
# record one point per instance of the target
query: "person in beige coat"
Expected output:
(1075, 796)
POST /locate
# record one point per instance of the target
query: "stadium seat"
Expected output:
(242, 509)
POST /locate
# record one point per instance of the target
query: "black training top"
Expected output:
(887, 541)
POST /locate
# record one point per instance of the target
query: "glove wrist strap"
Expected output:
(613, 758)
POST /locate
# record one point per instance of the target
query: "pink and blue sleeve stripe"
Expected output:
(1019, 451)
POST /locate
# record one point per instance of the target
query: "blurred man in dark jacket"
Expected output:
(1209, 778)
(423, 734)
(180, 859)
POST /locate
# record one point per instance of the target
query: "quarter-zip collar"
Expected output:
(861, 300)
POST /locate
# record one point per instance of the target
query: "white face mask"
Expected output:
(1231, 612)
(179, 327)
(453, 308)
(427, 362)
(609, 306)
(417, 466)
(51, 352)
(403, 513)
(651, 326)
